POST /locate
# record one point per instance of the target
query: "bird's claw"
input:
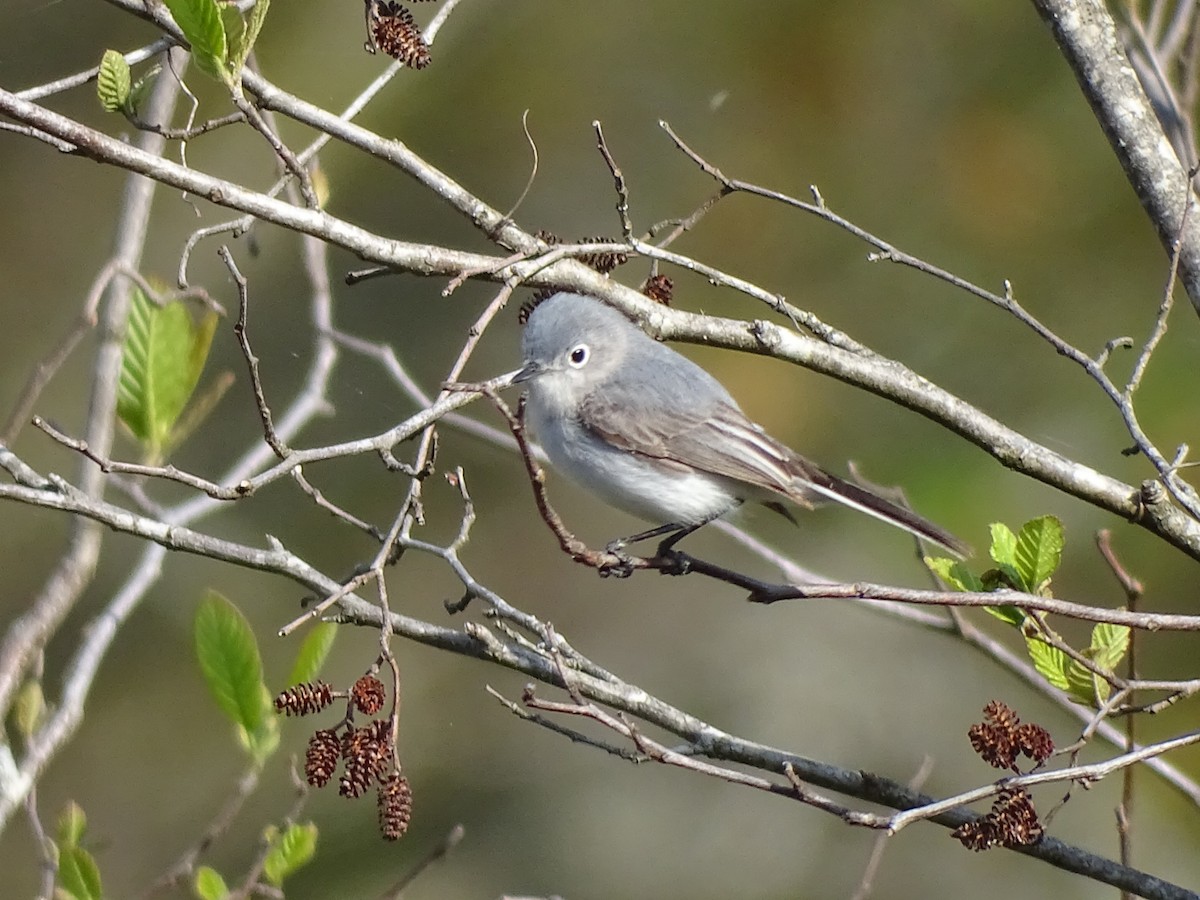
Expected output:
(620, 563)
(672, 562)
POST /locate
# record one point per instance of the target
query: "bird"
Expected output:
(653, 434)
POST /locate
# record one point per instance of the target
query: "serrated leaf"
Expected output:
(313, 652)
(229, 659)
(112, 82)
(141, 88)
(200, 22)
(246, 35)
(291, 850)
(78, 874)
(209, 885)
(1050, 662)
(1110, 643)
(1003, 549)
(235, 34)
(954, 573)
(1039, 551)
(1108, 648)
(1084, 687)
(162, 359)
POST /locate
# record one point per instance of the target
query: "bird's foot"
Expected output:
(620, 564)
(669, 561)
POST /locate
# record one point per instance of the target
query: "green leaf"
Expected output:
(112, 82)
(263, 740)
(200, 22)
(235, 34)
(1039, 551)
(209, 885)
(1003, 576)
(1084, 687)
(72, 823)
(1110, 643)
(229, 659)
(78, 874)
(162, 359)
(141, 89)
(1050, 662)
(954, 573)
(320, 183)
(1013, 615)
(29, 709)
(1004, 545)
(290, 850)
(961, 578)
(312, 653)
(244, 34)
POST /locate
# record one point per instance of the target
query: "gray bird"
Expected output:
(653, 434)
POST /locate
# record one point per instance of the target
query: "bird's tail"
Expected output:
(849, 494)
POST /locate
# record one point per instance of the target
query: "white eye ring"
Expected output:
(579, 355)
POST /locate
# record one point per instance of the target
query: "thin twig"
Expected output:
(239, 329)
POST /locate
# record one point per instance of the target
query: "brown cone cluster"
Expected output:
(393, 31)
(1013, 822)
(658, 288)
(999, 739)
(365, 754)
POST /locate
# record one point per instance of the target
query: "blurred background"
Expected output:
(957, 133)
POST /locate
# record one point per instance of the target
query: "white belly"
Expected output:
(661, 493)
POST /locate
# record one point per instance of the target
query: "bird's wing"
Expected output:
(689, 418)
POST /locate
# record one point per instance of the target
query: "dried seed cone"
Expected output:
(302, 699)
(659, 288)
(540, 296)
(977, 835)
(321, 758)
(1035, 742)
(1001, 737)
(367, 752)
(603, 261)
(994, 744)
(395, 806)
(368, 694)
(1016, 820)
(1001, 714)
(397, 35)
(1012, 822)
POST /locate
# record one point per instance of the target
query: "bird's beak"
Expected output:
(531, 370)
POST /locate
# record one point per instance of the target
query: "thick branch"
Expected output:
(1087, 36)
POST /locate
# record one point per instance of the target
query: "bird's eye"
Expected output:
(579, 355)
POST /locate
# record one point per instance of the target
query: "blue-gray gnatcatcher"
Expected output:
(655, 435)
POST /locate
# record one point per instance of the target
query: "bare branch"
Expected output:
(1087, 36)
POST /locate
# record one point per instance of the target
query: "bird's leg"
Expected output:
(672, 561)
(615, 547)
(675, 561)
(623, 568)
